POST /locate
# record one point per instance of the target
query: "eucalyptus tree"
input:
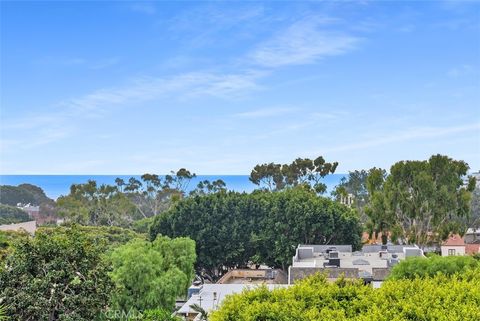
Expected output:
(302, 171)
(153, 194)
(207, 187)
(422, 201)
(91, 204)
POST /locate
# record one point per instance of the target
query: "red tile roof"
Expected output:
(454, 240)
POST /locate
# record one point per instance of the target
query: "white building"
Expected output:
(455, 245)
(210, 296)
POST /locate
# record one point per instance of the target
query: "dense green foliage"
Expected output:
(421, 267)
(57, 275)
(151, 275)
(11, 214)
(420, 201)
(440, 298)
(109, 236)
(89, 204)
(233, 229)
(7, 242)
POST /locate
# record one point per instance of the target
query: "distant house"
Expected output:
(36, 214)
(454, 245)
(29, 227)
(33, 211)
(472, 236)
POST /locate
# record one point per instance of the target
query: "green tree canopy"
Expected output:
(90, 204)
(234, 229)
(55, 276)
(421, 201)
(151, 275)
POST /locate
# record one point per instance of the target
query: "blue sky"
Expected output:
(131, 87)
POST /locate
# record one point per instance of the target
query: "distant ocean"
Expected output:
(57, 185)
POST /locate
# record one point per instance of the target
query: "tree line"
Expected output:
(236, 229)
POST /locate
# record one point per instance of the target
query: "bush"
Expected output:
(421, 267)
(440, 298)
(7, 242)
(55, 276)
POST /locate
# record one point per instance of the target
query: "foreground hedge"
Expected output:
(442, 298)
(430, 266)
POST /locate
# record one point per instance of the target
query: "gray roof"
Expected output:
(323, 248)
(390, 248)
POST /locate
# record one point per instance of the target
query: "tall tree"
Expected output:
(355, 185)
(473, 220)
(302, 171)
(90, 204)
(206, 187)
(422, 200)
(154, 194)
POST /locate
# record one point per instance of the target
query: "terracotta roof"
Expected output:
(472, 248)
(454, 240)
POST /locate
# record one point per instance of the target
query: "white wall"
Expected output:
(459, 250)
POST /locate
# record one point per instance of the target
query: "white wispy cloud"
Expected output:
(303, 42)
(266, 112)
(183, 86)
(60, 122)
(409, 134)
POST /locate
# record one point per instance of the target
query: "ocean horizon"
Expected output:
(57, 185)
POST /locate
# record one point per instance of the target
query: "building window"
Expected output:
(451, 252)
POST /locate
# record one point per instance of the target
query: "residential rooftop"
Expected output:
(372, 262)
(210, 296)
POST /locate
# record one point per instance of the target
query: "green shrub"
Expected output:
(421, 267)
(438, 298)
